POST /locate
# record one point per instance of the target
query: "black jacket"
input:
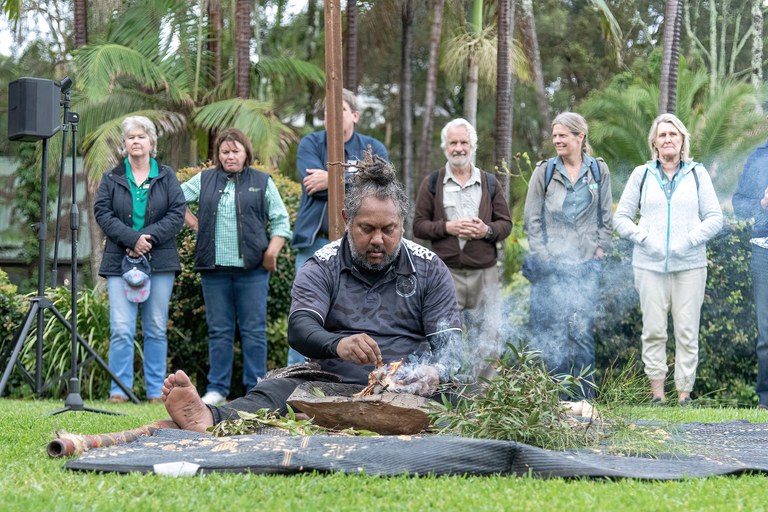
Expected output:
(113, 210)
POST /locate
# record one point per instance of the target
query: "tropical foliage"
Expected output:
(724, 126)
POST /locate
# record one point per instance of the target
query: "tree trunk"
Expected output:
(473, 66)
(94, 230)
(242, 48)
(670, 56)
(311, 45)
(350, 75)
(713, 78)
(757, 43)
(428, 120)
(505, 12)
(406, 99)
(530, 42)
(214, 40)
(80, 8)
(504, 91)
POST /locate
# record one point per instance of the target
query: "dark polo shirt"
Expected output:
(412, 302)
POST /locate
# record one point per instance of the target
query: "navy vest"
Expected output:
(252, 216)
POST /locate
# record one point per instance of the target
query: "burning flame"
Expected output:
(380, 376)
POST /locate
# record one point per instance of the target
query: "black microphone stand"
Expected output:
(74, 402)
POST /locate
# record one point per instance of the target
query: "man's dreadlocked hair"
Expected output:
(374, 177)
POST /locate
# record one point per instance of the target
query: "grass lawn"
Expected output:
(33, 482)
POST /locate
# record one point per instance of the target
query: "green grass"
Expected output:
(33, 482)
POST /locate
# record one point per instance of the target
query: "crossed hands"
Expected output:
(142, 247)
(470, 228)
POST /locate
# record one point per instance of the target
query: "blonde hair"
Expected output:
(685, 152)
(575, 124)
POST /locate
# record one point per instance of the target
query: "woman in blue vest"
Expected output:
(140, 208)
(235, 253)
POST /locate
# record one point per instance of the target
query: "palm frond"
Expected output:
(289, 69)
(101, 65)
(270, 137)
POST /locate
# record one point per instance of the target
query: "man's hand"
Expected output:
(421, 380)
(143, 245)
(360, 349)
(317, 181)
(476, 229)
(471, 228)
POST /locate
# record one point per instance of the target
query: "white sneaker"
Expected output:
(213, 398)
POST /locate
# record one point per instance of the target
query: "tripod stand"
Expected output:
(40, 302)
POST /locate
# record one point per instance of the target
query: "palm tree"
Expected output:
(504, 87)
(214, 40)
(311, 50)
(428, 121)
(475, 29)
(724, 126)
(471, 54)
(80, 22)
(350, 70)
(669, 60)
(757, 43)
(530, 42)
(242, 48)
(406, 97)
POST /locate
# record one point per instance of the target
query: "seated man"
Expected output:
(370, 298)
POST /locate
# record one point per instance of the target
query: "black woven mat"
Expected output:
(696, 450)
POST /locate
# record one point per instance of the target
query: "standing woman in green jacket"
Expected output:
(242, 224)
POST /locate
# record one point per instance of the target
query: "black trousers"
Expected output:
(269, 394)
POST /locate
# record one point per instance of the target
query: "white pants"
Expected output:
(682, 294)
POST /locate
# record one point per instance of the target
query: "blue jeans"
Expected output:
(236, 297)
(154, 322)
(302, 255)
(562, 318)
(759, 268)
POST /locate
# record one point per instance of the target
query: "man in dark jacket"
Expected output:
(311, 229)
(751, 202)
(462, 216)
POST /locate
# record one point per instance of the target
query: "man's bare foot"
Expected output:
(184, 404)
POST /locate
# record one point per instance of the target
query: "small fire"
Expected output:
(401, 378)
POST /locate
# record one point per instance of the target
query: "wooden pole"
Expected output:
(333, 120)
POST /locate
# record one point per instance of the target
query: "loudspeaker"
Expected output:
(33, 109)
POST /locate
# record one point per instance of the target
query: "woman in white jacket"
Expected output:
(679, 213)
